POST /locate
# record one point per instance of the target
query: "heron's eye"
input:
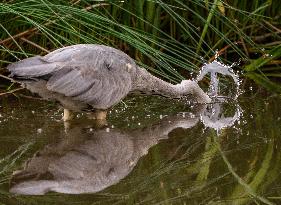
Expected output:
(108, 65)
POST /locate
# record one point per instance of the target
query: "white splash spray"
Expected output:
(214, 68)
(212, 116)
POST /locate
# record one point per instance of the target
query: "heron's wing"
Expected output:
(96, 76)
(31, 67)
(39, 66)
(69, 82)
(100, 88)
(92, 74)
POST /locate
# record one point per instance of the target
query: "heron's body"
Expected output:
(93, 77)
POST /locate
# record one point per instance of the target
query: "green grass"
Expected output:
(170, 38)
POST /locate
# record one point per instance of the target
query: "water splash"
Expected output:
(212, 117)
(214, 68)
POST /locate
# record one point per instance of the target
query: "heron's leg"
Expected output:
(67, 115)
(99, 116)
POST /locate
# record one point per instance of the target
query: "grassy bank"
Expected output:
(170, 38)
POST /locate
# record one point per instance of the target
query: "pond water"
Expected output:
(151, 151)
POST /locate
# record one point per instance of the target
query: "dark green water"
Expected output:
(153, 151)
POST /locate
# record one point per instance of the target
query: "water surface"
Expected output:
(152, 151)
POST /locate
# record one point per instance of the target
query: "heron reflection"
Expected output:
(89, 160)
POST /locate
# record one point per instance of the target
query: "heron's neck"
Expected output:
(145, 83)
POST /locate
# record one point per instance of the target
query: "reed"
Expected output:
(171, 38)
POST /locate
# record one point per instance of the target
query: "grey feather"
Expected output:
(93, 75)
(69, 82)
(31, 67)
(96, 75)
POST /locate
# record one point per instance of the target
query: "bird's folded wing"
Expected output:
(32, 67)
(95, 75)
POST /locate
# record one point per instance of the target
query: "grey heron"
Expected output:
(89, 77)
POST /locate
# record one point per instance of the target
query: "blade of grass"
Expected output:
(258, 63)
(206, 26)
(265, 82)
